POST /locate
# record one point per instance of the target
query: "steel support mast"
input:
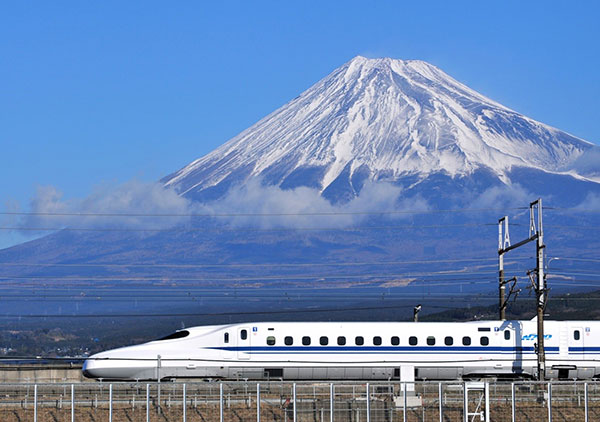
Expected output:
(503, 244)
(541, 286)
(535, 233)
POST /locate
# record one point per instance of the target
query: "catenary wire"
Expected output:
(269, 312)
(249, 229)
(282, 229)
(236, 265)
(284, 277)
(291, 214)
(209, 314)
(280, 214)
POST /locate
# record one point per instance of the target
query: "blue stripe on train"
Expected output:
(584, 349)
(381, 349)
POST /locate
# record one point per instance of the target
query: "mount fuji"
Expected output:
(402, 122)
(399, 130)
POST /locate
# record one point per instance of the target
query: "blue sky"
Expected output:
(101, 93)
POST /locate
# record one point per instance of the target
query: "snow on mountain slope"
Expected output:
(381, 119)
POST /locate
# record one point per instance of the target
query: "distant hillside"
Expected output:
(77, 336)
(581, 306)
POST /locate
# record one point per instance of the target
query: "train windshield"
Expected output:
(176, 334)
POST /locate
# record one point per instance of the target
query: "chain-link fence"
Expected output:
(301, 402)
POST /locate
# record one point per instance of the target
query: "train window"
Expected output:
(576, 335)
(324, 341)
(341, 341)
(466, 341)
(506, 334)
(306, 341)
(431, 341)
(448, 341)
(484, 341)
(395, 341)
(271, 341)
(377, 341)
(226, 338)
(176, 334)
(359, 341)
(412, 341)
(288, 340)
(244, 334)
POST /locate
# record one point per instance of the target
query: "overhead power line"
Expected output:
(287, 214)
(277, 214)
(192, 314)
(573, 210)
(276, 312)
(175, 278)
(279, 229)
(265, 265)
(251, 229)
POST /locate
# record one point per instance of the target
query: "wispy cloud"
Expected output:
(503, 196)
(591, 202)
(130, 200)
(588, 163)
(140, 205)
(271, 206)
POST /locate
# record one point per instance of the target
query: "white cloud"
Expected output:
(131, 200)
(591, 202)
(289, 208)
(588, 163)
(139, 205)
(503, 196)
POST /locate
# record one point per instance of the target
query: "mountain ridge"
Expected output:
(324, 231)
(381, 120)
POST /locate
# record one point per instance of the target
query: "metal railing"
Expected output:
(302, 401)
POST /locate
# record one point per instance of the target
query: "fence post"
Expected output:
(331, 398)
(258, 402)
(368, 403)
(110, 403)
(465, 403)
(184, 404)
(72, 403)
(147, 402)
(35, 403)
(295, 413)
(440, 402)
(585, 398)
(549, 402)
(221, 405)
(404, 402)
(486, 391)
(513, 403)
(158, 374)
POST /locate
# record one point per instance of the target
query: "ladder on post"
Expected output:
(483, 388)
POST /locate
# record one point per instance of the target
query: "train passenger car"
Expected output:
(357, 350)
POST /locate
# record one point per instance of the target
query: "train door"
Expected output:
(243, 343)
(563, 341)
(576, 343)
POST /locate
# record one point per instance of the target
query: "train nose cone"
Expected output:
(117, 365)
(89, 374)
(91, 368)
(101, 366)
(87, 371)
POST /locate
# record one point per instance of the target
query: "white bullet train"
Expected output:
(357, 350)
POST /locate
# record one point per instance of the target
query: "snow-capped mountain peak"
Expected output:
(381, 119)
